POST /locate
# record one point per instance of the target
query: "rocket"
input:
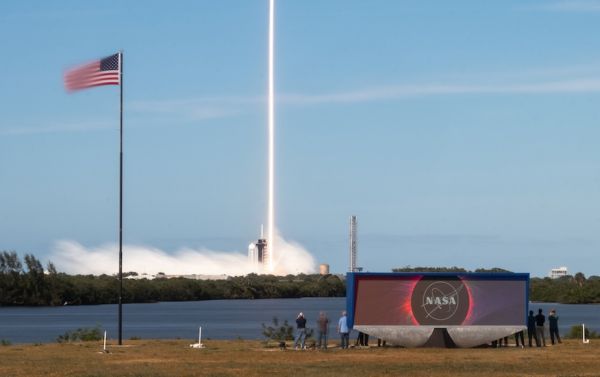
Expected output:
(258, 253)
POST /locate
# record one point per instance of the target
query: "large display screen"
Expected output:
(411, 299)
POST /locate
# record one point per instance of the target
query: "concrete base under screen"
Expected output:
(431, 336)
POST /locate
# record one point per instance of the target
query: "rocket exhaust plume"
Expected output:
(271, 200)
(73, 258)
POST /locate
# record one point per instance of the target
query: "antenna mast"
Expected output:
(352, 267)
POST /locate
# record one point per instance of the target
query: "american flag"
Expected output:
(100, 72)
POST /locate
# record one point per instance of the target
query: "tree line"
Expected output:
(576, 289)
(27, 283)
(445, 269)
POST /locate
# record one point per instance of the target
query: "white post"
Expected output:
(199, 344)
(104, 340)
(585, 341)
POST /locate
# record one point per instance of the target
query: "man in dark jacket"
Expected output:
(540, 319)
(300, 331)
(553, 322)
(531, 329)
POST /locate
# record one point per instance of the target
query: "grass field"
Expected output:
(251, 358)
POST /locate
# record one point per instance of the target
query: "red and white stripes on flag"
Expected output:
(105, 71)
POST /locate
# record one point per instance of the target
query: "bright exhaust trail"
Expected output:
(271, 199)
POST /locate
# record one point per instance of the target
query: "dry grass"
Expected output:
(249, 358)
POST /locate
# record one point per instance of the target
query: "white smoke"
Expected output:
(291, 258)
(73, 258)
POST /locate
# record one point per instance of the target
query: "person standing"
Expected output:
(362, 339)
(553, 322)
(300, 331)
(323, 323)
(519, 335)
(343, 330)
(540, 319)
(498, 343)
(531, 329)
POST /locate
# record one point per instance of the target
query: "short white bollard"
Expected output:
(585, 341)
(199, 344)
(104, 350)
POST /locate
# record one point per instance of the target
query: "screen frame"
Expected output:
(352, 279)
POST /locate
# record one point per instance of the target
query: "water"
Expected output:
(220, 319)
(571, 315)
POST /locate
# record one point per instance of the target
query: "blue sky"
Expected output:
(460, 133)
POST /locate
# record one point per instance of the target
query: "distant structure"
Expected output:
(324, 269)
(258, 253)
(261, 252)
(252, 252)
(559, 272)
(352, 267)
(162, 275)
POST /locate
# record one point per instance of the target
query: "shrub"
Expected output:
(4, 342)
(278, 332)
(576, 333)
(282, 332)
(82, 334)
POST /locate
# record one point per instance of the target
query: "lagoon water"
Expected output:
(220, 319)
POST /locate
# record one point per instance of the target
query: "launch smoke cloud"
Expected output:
(74, 258)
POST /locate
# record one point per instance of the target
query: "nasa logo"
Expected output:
(440, 302)
(443, 300)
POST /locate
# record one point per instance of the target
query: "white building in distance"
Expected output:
(559, 272)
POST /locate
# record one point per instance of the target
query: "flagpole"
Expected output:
(121, 201)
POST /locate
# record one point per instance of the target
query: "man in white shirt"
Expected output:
(343, 330)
